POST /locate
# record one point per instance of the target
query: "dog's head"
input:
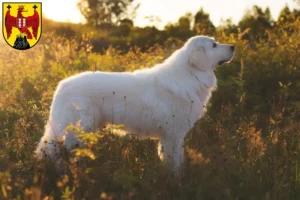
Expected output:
(204, 53)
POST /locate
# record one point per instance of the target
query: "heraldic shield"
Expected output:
(22, 24)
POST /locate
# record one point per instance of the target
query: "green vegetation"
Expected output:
(246, 147)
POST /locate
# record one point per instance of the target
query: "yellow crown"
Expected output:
(21, 6)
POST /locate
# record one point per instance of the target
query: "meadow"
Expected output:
(247, 146)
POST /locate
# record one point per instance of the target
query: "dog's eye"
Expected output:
(214, 45)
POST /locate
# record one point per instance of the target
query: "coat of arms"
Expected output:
(21, 24)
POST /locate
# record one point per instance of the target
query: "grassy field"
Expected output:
(246, 147)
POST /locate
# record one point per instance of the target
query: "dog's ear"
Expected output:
(198, 59)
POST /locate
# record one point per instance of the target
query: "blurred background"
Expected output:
(127, 23)
(247, 146)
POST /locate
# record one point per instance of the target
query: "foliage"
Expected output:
(246, 146)
(202, 23)
(258, 20)
(99, 12)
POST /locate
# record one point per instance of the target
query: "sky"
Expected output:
(169, 10)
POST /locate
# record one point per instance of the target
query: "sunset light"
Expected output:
(150, 99)
(169, 10)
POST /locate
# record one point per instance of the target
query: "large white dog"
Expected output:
(162, 102)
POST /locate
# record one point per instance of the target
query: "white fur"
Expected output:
(162, 102)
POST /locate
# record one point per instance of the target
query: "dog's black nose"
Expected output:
(232, 47)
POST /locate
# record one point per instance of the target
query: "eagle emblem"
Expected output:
(21, 24)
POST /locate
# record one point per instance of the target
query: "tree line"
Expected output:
(111, 23)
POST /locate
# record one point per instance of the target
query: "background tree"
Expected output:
(99, 12)
(228, 27)
(258, 21)
(286, 14)
(181, 29)
(202, 23)
(153, 20)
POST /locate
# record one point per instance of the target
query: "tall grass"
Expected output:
(246, 147)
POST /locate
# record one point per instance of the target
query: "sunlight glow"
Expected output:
(169, 10)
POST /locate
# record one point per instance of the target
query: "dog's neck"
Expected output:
(207, 78)
(178, 63)
(184, 81)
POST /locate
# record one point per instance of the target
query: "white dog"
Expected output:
(162, 102)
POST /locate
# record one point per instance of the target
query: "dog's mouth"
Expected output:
(223, 61)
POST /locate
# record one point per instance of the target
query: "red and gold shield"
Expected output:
(21, 24)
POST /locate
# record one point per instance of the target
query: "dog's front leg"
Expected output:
(173, 151)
